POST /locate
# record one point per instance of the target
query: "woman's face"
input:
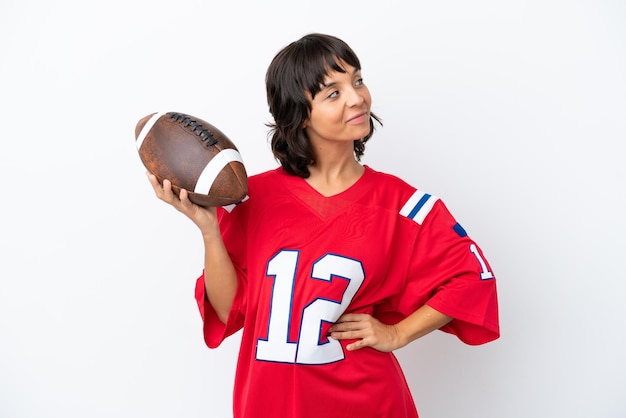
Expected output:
(340, 111)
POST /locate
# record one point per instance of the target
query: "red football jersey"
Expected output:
(380, 247)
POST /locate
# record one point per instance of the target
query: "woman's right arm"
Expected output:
(220, 277)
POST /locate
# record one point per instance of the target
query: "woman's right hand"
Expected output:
(205, 218)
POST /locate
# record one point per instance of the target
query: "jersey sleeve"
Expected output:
(214, 330)
(450, 273)
(232, 227)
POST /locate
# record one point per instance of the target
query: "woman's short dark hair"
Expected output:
(298, 68)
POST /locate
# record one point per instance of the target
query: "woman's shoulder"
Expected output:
(400, 196)
(259, 186)
(265, 178)
(388, 179)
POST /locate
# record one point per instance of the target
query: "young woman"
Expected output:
(329, 265)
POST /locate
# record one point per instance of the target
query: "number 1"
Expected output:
(485, 273)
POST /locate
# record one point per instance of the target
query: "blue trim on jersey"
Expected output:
(419, 205)
(459, 230)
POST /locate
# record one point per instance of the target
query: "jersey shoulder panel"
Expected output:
(259, 185)
(401, 197)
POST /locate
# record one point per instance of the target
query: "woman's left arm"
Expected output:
(370, 332)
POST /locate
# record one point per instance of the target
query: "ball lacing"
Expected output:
(204, 135)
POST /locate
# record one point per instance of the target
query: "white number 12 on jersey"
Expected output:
(307, 350)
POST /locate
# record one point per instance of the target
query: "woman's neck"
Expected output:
(330, 177)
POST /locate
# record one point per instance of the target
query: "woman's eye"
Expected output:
(333, 94)
(359, 82)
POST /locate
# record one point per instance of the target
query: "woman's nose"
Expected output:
(355, 97)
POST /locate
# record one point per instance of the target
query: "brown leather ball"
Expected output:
(194, 155)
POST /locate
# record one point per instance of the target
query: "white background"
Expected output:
(513, 112)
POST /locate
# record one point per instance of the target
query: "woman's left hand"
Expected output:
(369, 332)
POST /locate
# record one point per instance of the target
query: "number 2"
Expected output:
(307, 350)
